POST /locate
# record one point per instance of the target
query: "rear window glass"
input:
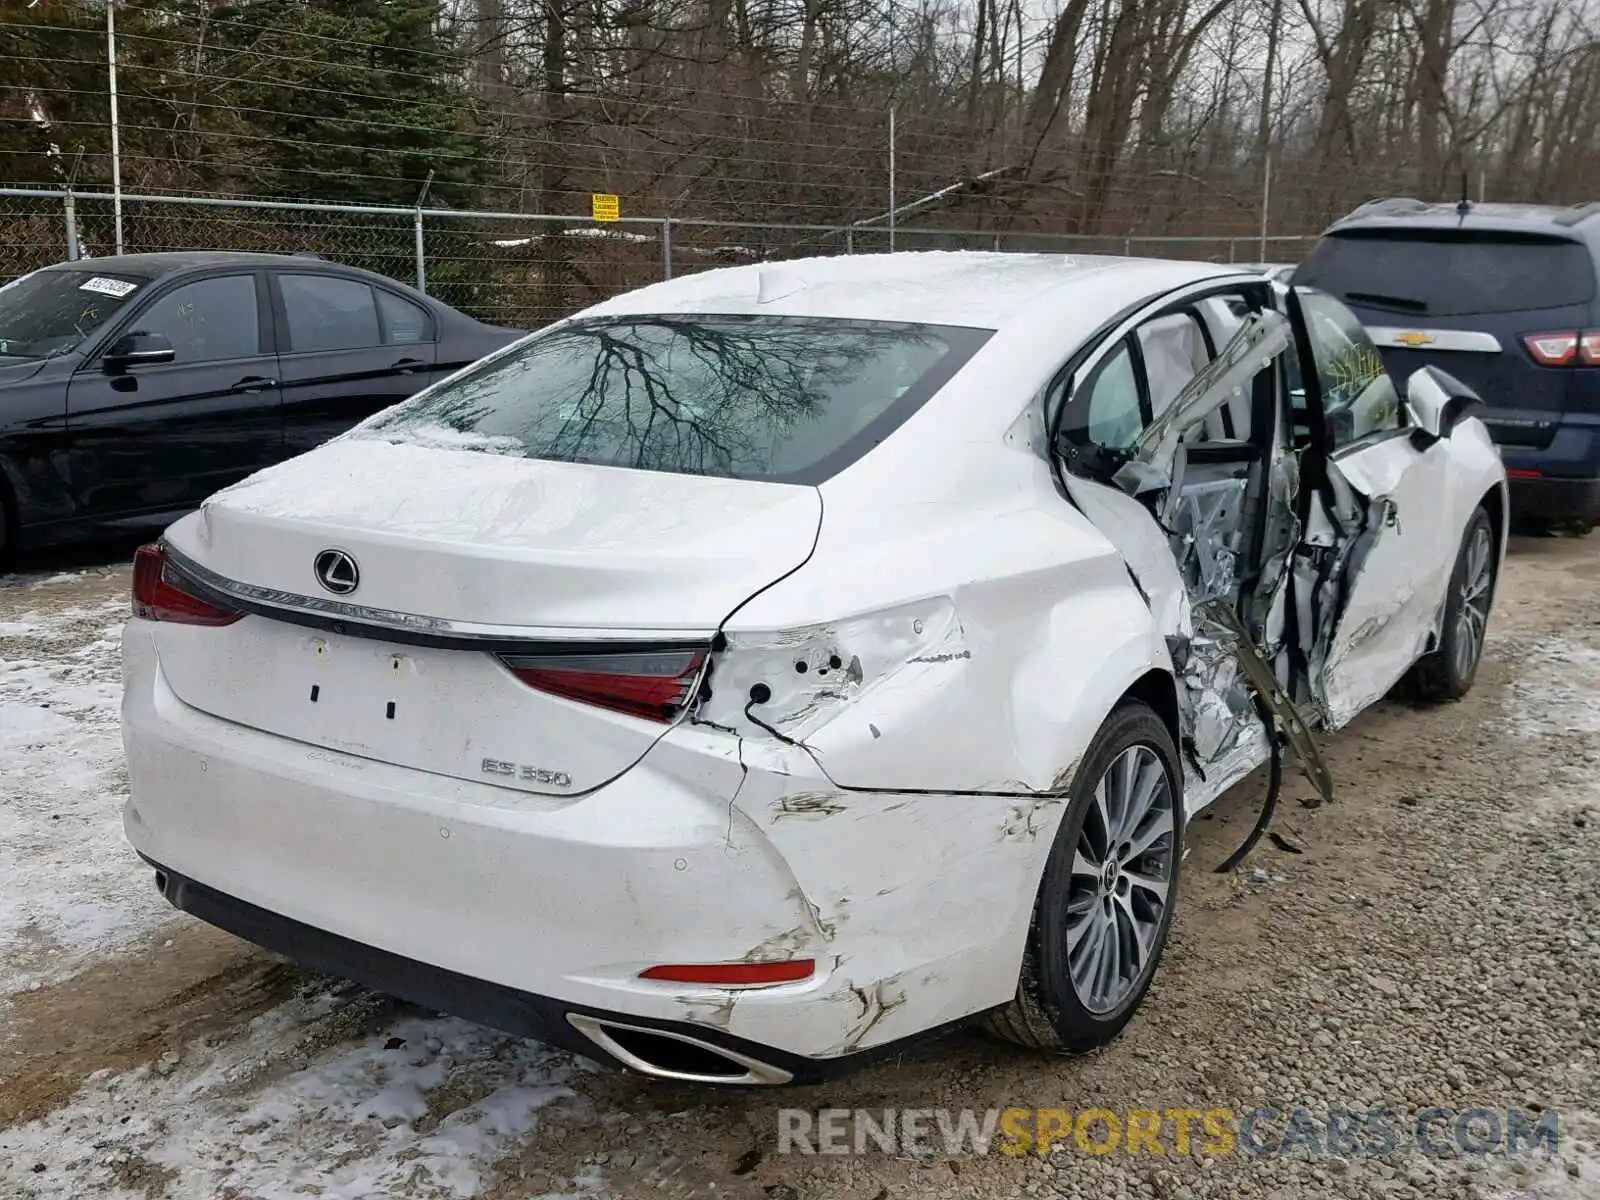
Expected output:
(1450, 276)
(776, 398)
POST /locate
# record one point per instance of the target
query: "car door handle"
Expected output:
(407, 365)
(254, 383)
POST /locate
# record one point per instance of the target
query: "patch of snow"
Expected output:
(729, 251)
(57, 623)
(1556, 695)
(1555, 692)
(72, 885)
(274, 1114)
(34, 582)
(442, 437)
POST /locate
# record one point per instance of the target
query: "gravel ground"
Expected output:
(1435, 942)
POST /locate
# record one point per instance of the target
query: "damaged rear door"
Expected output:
(1196, 491)
(1375, 548)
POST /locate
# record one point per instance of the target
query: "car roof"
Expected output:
(981, 289)
(1575, 222)
(172, 262)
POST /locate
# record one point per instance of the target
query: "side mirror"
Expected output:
(137, 350)
(1436, 400)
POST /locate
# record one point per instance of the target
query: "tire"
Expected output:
(1051, 1010)
(1447, 672)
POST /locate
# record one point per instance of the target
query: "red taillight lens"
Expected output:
(652, 684)
(1589, 349)
(790, 970)
(160, 593)
(1552, 349)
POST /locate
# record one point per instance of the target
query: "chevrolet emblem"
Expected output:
(1414, 339)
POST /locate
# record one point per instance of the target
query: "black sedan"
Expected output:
(131, 388)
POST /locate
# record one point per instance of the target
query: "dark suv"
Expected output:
(1503, 297)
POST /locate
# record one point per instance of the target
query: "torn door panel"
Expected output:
(1192, 531)
(1389, 545)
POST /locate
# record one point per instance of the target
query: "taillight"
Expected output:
(653, 684)
(160, 593)
(1589, 350)
(1553, 349)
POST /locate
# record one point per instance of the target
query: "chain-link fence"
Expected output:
(515, 269)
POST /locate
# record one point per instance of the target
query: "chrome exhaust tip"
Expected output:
(663, 1054)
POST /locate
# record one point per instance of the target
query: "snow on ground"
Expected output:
(418, 1107)
(1554, 694)
(73, 886)
(336, 1093)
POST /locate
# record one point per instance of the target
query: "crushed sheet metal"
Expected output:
(811, 674)
(1207, 529)
(1266, 684)
(1222, 708)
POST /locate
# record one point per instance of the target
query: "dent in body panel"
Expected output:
(944, 897)
(991, 689)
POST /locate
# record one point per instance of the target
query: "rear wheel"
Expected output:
(1106, 901)
(1447, 673)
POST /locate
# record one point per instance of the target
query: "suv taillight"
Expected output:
(1564, 348)
(652, 684)
(161, 593)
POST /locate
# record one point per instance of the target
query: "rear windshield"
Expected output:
(1449, 276)
(776, 398)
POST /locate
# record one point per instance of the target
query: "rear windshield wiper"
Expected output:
(1401, 303)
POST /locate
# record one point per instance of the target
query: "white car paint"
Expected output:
(965, 627)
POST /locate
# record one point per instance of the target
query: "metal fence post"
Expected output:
(416, 225)
(666, 248)
(1127, 247)
(422, 254)
(849, 241)
(70, 204)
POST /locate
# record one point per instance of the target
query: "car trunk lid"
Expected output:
(472, 574)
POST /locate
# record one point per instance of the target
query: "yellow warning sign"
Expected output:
(606, 208)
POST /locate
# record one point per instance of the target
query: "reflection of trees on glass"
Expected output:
(719, 395)
(51, 312)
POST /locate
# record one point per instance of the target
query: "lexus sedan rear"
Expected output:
(762, 668)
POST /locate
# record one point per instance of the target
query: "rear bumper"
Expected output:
(554, 1022)
(519, 910)
(1548, 499)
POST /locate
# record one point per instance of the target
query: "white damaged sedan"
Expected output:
(761, 668)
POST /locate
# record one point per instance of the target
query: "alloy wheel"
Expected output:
(1122, 872)
(1473, 619)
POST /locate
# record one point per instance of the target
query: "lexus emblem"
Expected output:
(337, 572)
